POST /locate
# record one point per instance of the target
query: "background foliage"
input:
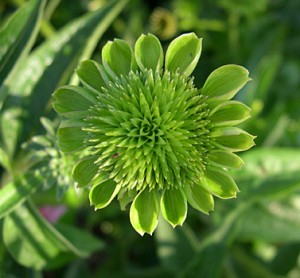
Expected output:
(255, 235)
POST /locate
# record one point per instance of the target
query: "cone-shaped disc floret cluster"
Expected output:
(147, 135)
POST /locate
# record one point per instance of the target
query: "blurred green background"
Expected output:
(255, 235)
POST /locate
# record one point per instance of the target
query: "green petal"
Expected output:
(225, 159)
(225, 82)
(102, 194)
(72, 101)
(117, 57)
(144, 212)
(229, 113)
(148, 52)
(233, 138)
(219, 183)
(173, 206)
(183, 53)
(84, 171)
(89, 75)
(199, 198)
(70, 136)
(125, 197)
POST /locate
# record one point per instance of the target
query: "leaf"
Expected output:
(80, 239)
(205, 263)
(277, 225)
(49, 65)
(15, 193)
(25, 232)
(246, 263)
(286, 258)
(175, 247)
(4, 160)
(276, 186)
(269, 173)
(264, 162)
(18, 35)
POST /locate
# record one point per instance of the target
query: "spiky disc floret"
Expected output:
(144, 140)
(143, 128)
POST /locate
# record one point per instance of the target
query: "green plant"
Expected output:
(24, 77)
(142, 129)
(47, 227)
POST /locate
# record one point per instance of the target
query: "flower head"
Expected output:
(147, 135)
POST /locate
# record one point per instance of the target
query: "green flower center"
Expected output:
(147, 128)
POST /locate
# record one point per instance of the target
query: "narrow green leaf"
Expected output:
(264, 162)
(83, 241)
(262, 223)
(25, 232)
(15, 193)
(219, 183)
(273, 187)
(102, 194)
(144, 212)
(85, 171)
(148, 52)
(53, 60)
(5, 161)
(173, 206)
(18, 35)
(183, 53)
(175, 247)
(199, 198)
(225, 82)
(286, 258)
(216, 242)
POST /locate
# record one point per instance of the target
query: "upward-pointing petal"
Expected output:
(183, 54)
(149, 52)
(117, 57)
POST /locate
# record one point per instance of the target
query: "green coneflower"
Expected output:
(146, 134)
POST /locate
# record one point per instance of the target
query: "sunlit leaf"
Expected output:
(18, 35)
(51, 63)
